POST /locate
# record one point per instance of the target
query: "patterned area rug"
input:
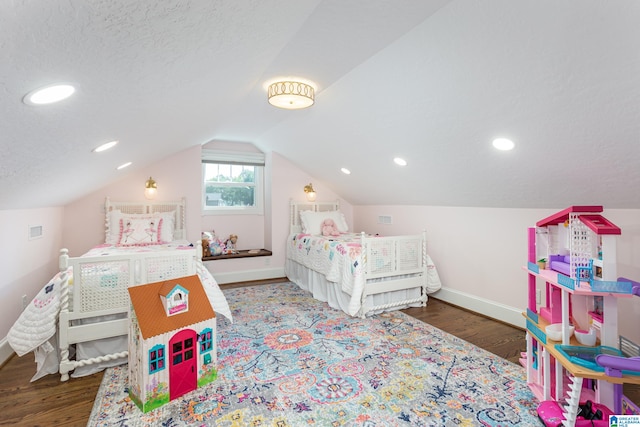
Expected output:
(289, 360)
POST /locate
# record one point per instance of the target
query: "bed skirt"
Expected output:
(331, 293)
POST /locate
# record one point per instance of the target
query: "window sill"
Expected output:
(239, 254)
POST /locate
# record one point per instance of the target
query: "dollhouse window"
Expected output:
(156, 359)
(206, 340)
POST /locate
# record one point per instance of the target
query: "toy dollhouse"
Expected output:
(577, 322)
(172, 341)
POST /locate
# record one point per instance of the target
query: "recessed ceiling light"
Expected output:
(400, 162)
(503, 144)
(49, 94)
(105, 146)
(124, 165)
(345, 171)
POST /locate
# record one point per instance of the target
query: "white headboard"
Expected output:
(297, 206)
(149, 207)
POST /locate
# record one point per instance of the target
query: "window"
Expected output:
(206, 340)
(232, 182)
(156, 359)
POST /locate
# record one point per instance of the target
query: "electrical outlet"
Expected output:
(25, 302)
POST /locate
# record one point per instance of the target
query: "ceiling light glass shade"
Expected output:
(49, 94)
(310, 192)
(150, 189)
(291, 95)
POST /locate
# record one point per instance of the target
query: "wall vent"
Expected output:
(384, 219)
(35, 232)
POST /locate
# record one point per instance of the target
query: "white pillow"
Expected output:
(112, 227)
(139, 231)
(167, 226)
(312, 221)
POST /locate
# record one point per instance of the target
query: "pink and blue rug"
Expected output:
(289, 360)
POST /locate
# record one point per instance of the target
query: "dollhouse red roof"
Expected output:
(151, 314)
(563, 215)
(589, 216)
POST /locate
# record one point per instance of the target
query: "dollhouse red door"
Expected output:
(183, 366)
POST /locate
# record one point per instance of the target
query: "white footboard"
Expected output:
(394, 263)
(96, 304)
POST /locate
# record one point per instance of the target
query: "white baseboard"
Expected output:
(248, 275)
(504, 313)
(5, 351)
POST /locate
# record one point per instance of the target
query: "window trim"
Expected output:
(235, 158)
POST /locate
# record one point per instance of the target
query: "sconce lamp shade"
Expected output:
(150, 189)
(310, 192)
(291, 95)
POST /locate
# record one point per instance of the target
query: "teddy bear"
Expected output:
(206, 249)
(329, 228)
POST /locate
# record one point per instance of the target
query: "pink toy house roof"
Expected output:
(589, 217)
(151, 314)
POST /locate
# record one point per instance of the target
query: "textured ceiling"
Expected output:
(433, 82)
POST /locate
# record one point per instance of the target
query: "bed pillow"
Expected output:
(312, 221)
(112, 224)
(139, 231)
(166, 228)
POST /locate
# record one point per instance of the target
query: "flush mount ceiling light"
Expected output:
(503, 144)
(291, 94)
(124, 165)
(49, 94)
(345, 171)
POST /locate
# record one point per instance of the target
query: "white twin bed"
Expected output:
(78, 321)
(357, 273)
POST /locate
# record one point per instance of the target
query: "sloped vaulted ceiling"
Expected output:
(433, 82)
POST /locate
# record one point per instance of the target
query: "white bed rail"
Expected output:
(99, 288)
(394, 263)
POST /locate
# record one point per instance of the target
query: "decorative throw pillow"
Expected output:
(140, 231)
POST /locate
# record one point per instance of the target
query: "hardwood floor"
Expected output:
(49, 402)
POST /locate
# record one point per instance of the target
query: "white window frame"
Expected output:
(235, 158)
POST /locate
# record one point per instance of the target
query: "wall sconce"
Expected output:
(311, 193)
(150, 189)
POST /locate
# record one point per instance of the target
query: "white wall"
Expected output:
(480, 252)
(26, 264)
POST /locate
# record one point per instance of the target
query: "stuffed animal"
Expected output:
(206, 249)
(230, 244)
(216, 247)
(329, 228)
